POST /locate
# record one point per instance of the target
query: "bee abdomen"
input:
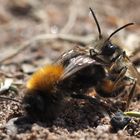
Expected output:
(43, 107)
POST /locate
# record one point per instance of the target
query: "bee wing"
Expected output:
(76, 64)
(67, 56)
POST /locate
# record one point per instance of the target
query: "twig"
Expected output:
(11, 99)
(137, 133)
(49, 37)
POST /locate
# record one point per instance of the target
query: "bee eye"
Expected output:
(109, 49)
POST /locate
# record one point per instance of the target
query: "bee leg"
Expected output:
(82, 96)
(92, 52)
(93, 55)
(120, 77)
(131, 94)
(114, 62)
(96, 102)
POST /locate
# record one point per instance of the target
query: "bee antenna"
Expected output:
(117, 30)
(8, 98)
(97, 23)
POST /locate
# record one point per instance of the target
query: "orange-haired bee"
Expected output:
(103, 66)
(47, 87)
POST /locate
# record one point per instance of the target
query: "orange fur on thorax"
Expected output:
(45, 78)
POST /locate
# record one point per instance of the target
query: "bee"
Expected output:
(102, 66)
(48, 87)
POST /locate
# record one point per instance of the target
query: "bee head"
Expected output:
(103, 46)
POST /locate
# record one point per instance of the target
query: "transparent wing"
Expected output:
(67, 56)
(76, 64)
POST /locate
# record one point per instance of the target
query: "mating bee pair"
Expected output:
(102, 66)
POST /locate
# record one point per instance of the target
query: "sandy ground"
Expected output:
(30, 38)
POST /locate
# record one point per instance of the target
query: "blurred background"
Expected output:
(22, 20)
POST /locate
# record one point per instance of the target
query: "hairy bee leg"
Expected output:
(131, 94)
(94, 101)
(92, 52)
(120, 77)
(93, 55)
(82, 96)
(114, 62)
